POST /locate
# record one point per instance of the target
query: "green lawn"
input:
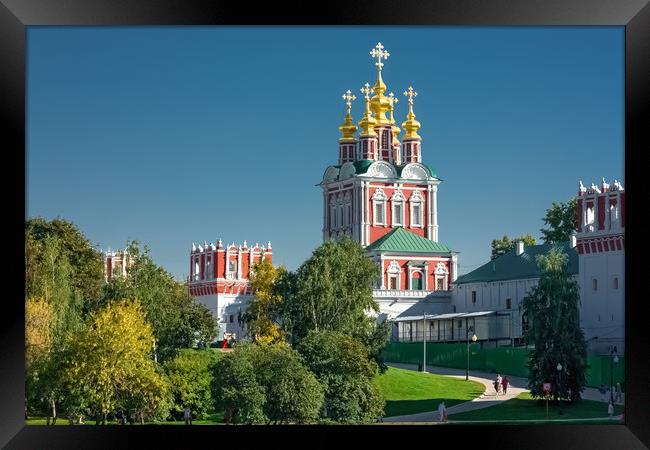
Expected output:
(410, 392)
(523, 407)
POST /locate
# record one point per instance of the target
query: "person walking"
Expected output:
(618, 392)
(499, 381)
(442, 412)
(504, 384)
(187, 415)
(610, 409)
(496, 386)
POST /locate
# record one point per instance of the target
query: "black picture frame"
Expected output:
(16, 15)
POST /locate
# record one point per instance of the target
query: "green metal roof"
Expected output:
(361, 166)
(401, 240)
(509, 266)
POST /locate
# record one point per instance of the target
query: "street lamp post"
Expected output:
(614, 360)
(467, 331)
(559, 385)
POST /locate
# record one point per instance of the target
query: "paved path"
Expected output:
(488, 398)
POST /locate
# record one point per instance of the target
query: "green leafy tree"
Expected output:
(86, 266)
(293, 394)
(561, 219)
(505, 244)
(554, 330)
(236, 391)
(190, 375)
(332, 290)
(345, 368)
(109, 363)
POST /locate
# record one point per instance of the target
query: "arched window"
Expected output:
(379, 207)
(441, 277)
(416, 210)
(393, 272)
(416, 280)
(397, 202)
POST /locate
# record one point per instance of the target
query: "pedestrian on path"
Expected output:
(187, 415)
(442, 412)
(617, 394)
(496, 386)
(499, 381)
(610, 409)
(504, 383)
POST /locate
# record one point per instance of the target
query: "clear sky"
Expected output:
(174, 135)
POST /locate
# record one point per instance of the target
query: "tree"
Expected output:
(86, 263)
(190, 375)
(504, 245)
(293, 394)
(235, 389)
(109, 363)
(262, 315)
(332, 290)
(554, 330)
(345, 368)
(177, 320)
(562, 221)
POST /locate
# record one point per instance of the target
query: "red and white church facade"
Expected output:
(219, 279)
(381, 195)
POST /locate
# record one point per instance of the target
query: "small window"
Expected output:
(393, 283)
(231, 266)
(415, 220)
(379, 213)
(473, 296)
(595, 284)
(508, 303)
(615, 283)
(232, 318)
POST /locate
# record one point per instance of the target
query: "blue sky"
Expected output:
(174, 135)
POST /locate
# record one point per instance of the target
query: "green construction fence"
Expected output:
(505, 360)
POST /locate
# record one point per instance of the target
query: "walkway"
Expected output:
(488, 398)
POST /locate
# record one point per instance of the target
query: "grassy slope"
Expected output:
(525, 408)
(410, 392)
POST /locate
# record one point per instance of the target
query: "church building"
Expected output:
(383, 196)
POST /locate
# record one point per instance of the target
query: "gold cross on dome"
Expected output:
(379, 53)
(393, 99)
(410, 93)
(366, 90)
(348, 97)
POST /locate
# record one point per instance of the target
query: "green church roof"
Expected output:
(509, 266)
(401, 240)
(361, 166)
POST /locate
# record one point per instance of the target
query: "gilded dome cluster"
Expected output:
(377, 106)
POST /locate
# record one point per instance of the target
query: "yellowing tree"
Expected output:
(39, 318)
(263, 312)
(110, 365)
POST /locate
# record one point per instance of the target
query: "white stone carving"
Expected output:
(347, 171)
(381, 169)
(415, 171)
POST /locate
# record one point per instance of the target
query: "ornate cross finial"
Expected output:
(410, 93)
(379, 53)
(393, 99)
(348, 97)
(366, 90)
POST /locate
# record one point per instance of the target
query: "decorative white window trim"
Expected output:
(413, 271)
(379, 200)
(441, 273)
(393, 271)
(397, 200)
(416, 200)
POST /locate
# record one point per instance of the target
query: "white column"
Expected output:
(383, 282)
(434, 212)
(426, 276)
(428, 214)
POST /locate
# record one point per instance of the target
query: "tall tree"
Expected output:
(554, 330)
(332, 290)
(110, 364)
(86, 263)
(262, 317)
(561, 219)
(505, 244)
